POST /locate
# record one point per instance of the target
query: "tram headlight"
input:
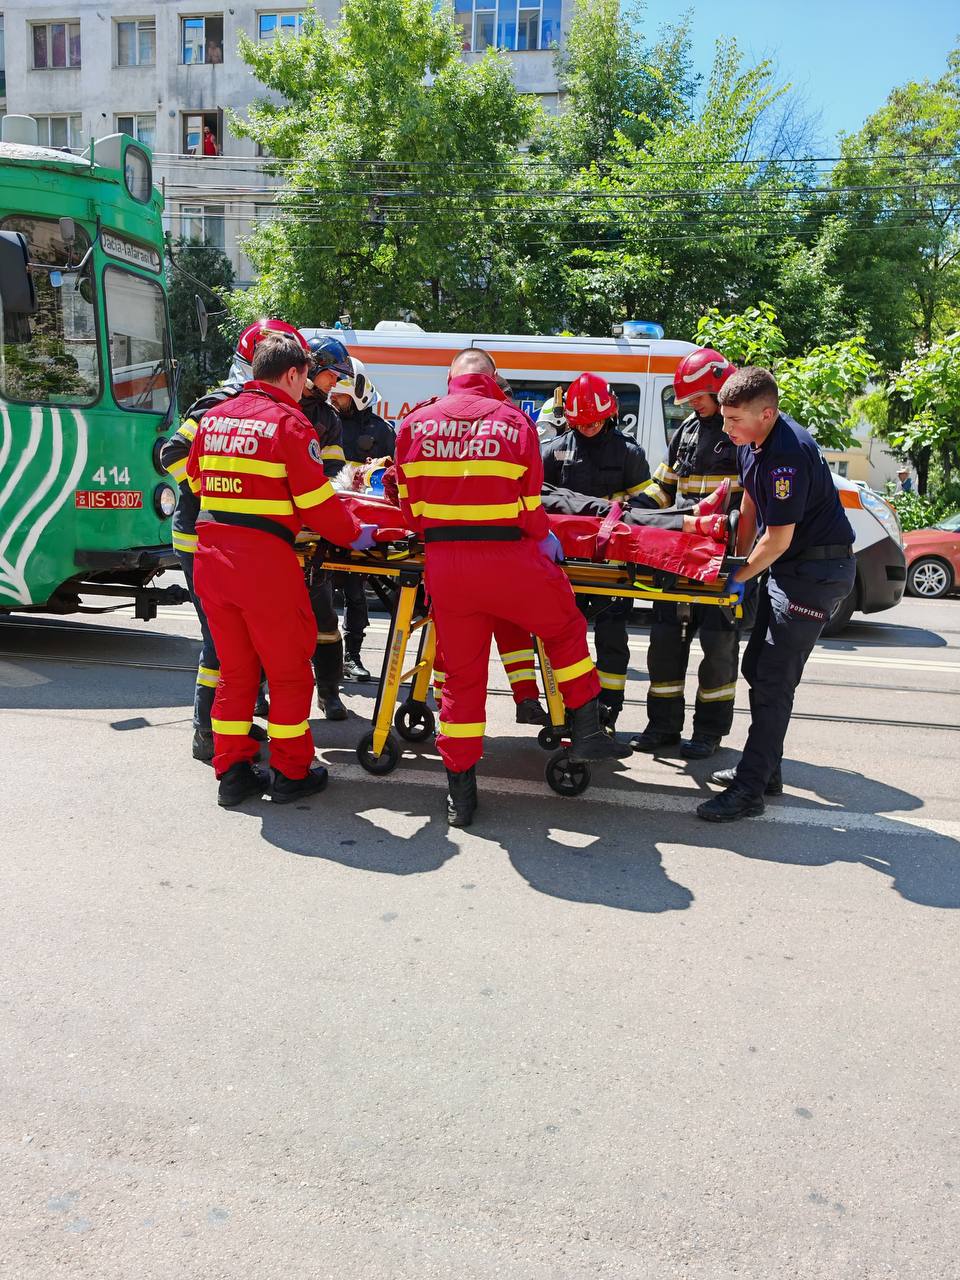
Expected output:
(158, 466)
(164, 501)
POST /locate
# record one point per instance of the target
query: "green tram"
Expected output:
(87, 386)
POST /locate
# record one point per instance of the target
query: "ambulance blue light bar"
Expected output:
(642, 329)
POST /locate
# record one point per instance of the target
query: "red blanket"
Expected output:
(687, 554)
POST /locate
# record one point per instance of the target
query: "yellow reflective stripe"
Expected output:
(665, 472)
(610, 680)
(178, 469)
(525, 673)
(247, 506)
(703, 484)
(465, 467)
(209, 677)
(637, 488)
(186, 542)
(287, 730)
(532, 502)
(581, 668)
(194, 484)
(403, 491)
(188, 429)
(333, 452)
(666, 690)
(653, 490)
(314, 497)
(724, 694)
(521, 655)
(456, 511)
(249, 466)
(462, 730)
(232, 728)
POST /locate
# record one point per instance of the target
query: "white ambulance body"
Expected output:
(408, 365)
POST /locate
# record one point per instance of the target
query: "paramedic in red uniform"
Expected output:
(469, 478)
(255, 464)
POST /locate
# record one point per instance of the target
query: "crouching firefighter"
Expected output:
(173, 457)
(469, 479)
(255, 464)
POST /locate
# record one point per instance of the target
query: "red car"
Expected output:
(933, 559)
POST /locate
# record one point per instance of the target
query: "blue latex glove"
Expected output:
(366, 538)
(551, 548)
(734, 587)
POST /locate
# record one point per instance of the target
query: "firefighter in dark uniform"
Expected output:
(330, 361)
(595, 459)
(366, 436)
(806, 543)
(173, 457)
(700, 459)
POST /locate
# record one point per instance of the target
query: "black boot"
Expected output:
(353, 668)
(731, 805)
(652, 740)
(727, 777)
(331, 704)
(203, 745)
(239, 783)
(588, 740)
(461, 797)
(529, 711)
(328, 672)
(700, 747)
(283, 789)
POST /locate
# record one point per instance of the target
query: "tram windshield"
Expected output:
(141, 371)
(54, 358)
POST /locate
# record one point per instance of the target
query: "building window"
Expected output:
(507, 24)
(203, 223)
(136, 42)
(201, 133)
(141, 127)
(841, 469)
(60, 131)
(271, 25)
(55, 45)
(202, 39)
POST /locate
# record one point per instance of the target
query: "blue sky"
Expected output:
(844, 55)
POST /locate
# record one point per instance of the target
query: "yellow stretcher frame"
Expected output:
(379, 750)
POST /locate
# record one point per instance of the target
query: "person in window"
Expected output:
(214, 52)
(210, 147)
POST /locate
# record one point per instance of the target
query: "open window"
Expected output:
(194, 139)
(201, 39)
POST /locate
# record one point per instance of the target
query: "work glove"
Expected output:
(551, 548)
(366, 539)
(734, 587)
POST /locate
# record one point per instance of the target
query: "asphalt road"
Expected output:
(590, 1037)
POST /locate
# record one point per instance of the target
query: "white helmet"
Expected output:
(551, 419)
(358, 387)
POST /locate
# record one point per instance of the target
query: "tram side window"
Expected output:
(52, 359)
(140, 366)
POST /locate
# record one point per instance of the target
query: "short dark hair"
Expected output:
(473, 359)
(275, 355)
(749, 385)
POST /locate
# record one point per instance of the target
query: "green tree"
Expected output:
(389, 146)
(199, 269)
(929, 389)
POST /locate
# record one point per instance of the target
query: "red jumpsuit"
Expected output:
(469, 479)
(255, 462)
(517, 655)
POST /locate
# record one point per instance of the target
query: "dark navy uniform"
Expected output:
(611, 466)
(700, 458)
(790, 483)
(365, 436)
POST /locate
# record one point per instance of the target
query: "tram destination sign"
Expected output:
(139, 255)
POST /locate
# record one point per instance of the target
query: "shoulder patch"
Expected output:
(781, 478)
(313, 448)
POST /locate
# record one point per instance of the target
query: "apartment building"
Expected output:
(168, 74)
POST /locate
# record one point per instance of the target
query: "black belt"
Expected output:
(839, 551)
(260, 523)
(474, 533)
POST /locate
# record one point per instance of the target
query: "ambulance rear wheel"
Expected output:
(385, 762)
(414, 722)
(565, 776)
(549, 738)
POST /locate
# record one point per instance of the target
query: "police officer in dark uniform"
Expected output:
(806, 543)
(366, 436)
(593, 458)
(700, 459)
(329, 362)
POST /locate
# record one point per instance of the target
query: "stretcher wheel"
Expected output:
(414, 722)
(385, 762)
(549, 738)
(566, 777)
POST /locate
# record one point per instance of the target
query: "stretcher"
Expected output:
(396, 567)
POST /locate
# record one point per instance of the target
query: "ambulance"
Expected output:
(408, 365)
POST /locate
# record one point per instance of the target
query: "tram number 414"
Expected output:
(119, 475)
(108, 499)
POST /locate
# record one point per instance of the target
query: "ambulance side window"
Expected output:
(673, 413)
(530, 396)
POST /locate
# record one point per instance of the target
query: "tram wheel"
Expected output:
(385, 762)
(565, 776)
(414, 722)
(549, 738)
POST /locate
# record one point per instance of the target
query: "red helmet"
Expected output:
(246, 343)
(702, 370)
(588, 400)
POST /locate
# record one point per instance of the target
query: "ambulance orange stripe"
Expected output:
(440, 357)
(849, 498)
